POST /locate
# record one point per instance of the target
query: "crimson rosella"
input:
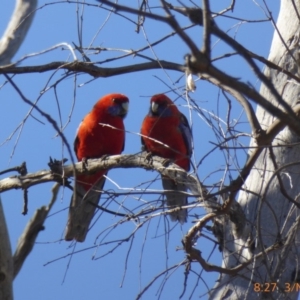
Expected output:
(100, 133)
(166, 125)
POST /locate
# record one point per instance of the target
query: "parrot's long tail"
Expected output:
(82, 210)
(175, 199)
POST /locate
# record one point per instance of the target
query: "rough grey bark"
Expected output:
(272, 185)
(9, 44)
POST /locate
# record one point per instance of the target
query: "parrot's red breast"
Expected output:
(166, 133)
(100, 133)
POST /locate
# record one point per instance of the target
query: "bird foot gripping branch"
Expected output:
(56, 168)
(149, 156)
(166, 162)
(55, 164)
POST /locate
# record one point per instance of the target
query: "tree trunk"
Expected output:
(269, 190)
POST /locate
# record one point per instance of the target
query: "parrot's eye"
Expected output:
(117, 100)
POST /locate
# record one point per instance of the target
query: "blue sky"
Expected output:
(51, 272)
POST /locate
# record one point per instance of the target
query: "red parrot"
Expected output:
(94, 140)
(167, 125)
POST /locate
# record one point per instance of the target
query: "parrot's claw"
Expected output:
(104, 157)
(166, 162)
(149, 157)
(55, 164)
(84, 163)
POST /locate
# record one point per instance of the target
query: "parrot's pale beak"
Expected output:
(125, 106)
(154, 107)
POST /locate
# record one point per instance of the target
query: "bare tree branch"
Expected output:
(199, 64)
(91, 69)
(17, 29)
(6, 262)
(206, 26)
(215, 76)
(195, 254)
(58, 173)
(30, 233)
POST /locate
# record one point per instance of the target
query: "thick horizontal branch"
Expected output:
(59, 173)
(91, 69)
